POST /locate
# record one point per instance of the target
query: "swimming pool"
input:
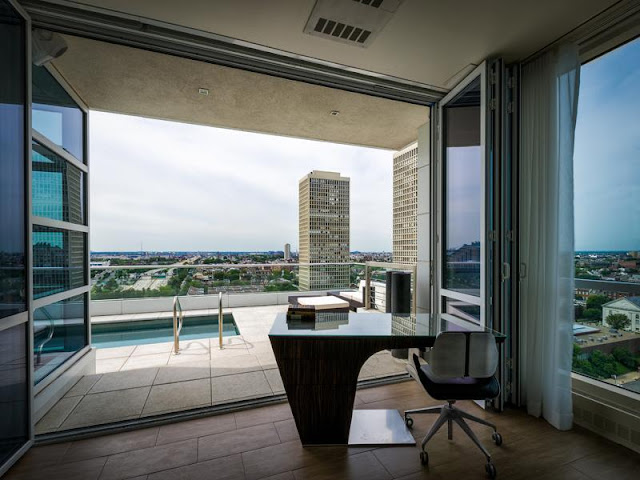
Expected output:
(121, 334)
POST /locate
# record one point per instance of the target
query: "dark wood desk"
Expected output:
(320, 361)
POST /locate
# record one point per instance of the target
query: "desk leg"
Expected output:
(320, 377)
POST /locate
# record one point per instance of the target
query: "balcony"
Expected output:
(139, 377)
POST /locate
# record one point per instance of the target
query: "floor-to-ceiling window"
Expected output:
(59, 217)
(14, 317)
(607, 219)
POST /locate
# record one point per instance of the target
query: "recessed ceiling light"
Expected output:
(203, 91)
(334, 113)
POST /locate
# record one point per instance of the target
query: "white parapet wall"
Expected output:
(126, 306)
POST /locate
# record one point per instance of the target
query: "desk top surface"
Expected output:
(374, 325)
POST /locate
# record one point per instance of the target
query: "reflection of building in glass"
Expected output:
(403, 325)
(466, 253)
(324, 230)
(405, 204)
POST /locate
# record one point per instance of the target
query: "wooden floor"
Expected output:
(263, 443)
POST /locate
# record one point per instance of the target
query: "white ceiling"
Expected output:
(427, 41)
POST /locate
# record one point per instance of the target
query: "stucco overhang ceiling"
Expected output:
(127, 80)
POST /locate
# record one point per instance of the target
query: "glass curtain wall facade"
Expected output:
(14, 297)
(59, 225)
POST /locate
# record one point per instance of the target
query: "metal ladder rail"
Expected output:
(178, 321)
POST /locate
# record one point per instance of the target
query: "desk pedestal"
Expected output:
(320, 375)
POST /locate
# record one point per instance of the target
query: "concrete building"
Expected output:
(287, 251)
(324, 230)
(405, 204)
(629, 306)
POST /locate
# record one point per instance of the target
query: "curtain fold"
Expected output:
(549, 101)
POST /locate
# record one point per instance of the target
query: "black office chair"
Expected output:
(461, 366)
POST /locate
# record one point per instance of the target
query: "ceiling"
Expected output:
(127, 80)
(427, 41)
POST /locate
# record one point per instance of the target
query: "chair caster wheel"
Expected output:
(424, 458)
(497, 438)
(491, 470)
(408, 421)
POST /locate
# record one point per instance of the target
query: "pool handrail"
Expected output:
(178, 320)
(220, 319)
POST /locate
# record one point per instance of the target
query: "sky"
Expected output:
(607, 152)
(161, 186)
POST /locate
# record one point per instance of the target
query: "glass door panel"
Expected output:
(15, 391)
(463, 189)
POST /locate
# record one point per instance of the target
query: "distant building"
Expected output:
(287, 251)
(629, 306)
(324, 230)
(405, 205)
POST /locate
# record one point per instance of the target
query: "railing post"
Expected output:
(220, 319)
(367, 287)
(176, 337)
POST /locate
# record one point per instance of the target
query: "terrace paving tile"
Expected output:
(153, 348)
(57, 415)
(233, 365)
(183, 372)
(110, 364)
(171, 397)
(146, 361)
(239, 387)
(99, 408)
(83, 385)
(275, 380)
(141, 377)
(114, 352)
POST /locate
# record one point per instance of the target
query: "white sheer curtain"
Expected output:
(550, 86)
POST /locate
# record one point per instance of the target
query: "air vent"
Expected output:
(354, 22)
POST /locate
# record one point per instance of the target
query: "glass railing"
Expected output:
(606, 341)
(157, 280)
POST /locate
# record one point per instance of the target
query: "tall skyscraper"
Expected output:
(287, 251)
(324, 230)
(405, 204)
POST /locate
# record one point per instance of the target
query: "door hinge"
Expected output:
(510, 235)
(508, 363)
(492, 236)
(493, 104)
(511, 82)
(510, 107)
(507, 388)
(493, 78)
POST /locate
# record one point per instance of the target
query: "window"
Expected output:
(607, 219)
(55, 115)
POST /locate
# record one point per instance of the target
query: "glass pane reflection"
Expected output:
(12, 148)
(58, 332)
(58, 260)
(463, 183)
(463, 310)
(13, 390)
(55, 115)
(57, 187)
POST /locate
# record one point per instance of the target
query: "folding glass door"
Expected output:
(15, 338)
(461, 200)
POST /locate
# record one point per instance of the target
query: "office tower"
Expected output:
(287, 251)
(405, 204)
(324, 230)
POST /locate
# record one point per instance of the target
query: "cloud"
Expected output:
(172, 186)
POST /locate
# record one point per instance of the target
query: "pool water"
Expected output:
(121, 334)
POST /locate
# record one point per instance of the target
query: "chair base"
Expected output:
(449, 414)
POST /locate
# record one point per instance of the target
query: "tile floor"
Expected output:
(143, 380)
(263, 443)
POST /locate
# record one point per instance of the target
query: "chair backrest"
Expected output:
(464, 354)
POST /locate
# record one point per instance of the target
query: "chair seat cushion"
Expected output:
(458, 388)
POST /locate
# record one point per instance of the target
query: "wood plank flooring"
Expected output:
(263, 443)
